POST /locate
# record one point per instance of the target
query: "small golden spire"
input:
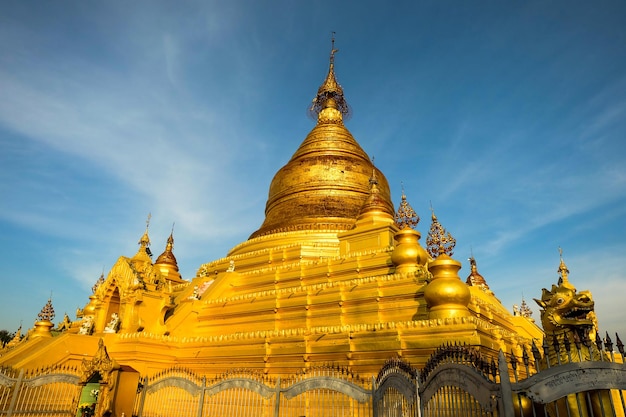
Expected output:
(167, 257)
(474, 278)
(98, 282)
(405, 216)
(332, 48)
(330, 93)
(524, 310)
(170, 240)
(375, 203)
(167, 263)
(17, 338)
(439, 241)
(144, 242)
(563, 272)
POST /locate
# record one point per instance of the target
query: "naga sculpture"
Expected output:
(570, 326)
(568, 319)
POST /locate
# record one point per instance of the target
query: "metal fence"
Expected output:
(459, 381)
(455, 381)
(40, 392)
(323, 391)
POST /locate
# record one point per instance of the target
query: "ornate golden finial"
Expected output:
(330, 93)
(332, 48)
(17, 337)
(47, 312)
(166, 262)
(170, 240)
(168, 256)
(563, 271)
(439, 241)
(144, 242)
(474, 278)
(405, 216)
(375, 204)
(524, 310)
(98, 282)
(373, 179)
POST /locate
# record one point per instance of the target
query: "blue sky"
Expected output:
(509, 117)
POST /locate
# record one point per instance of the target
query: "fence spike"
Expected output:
(577, 340)
(587, 341)
(599, 345)
(620, 345)
(536, 354)
(525, 357)
(555, 343)
(513, 361)
(608, 343)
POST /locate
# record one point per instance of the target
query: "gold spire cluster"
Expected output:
(439, 241)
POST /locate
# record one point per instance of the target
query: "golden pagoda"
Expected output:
(333, 275)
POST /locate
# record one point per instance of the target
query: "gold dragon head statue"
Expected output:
(563, 308)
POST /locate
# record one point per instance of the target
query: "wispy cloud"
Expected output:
(144, 144)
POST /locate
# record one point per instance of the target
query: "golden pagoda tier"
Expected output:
(333, 275)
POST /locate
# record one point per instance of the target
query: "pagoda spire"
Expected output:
(43, 324)
(474, 278)
(563, 272)
(446, 295)
(17, 338)
(408, 253)
(324, 186)
(166, 262)
(330, 95)
(375, 204)
(144, 252)
(439, 241)
(406, 217)
(99, 282)
(47, 312)
(144, 242)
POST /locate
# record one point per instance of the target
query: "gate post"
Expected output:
(201, 399)
(418, 400)
(277, 400)
(505, 404)
(374, 402)
(16, 391)
(142, 398)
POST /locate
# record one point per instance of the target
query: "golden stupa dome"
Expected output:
(326, 182)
